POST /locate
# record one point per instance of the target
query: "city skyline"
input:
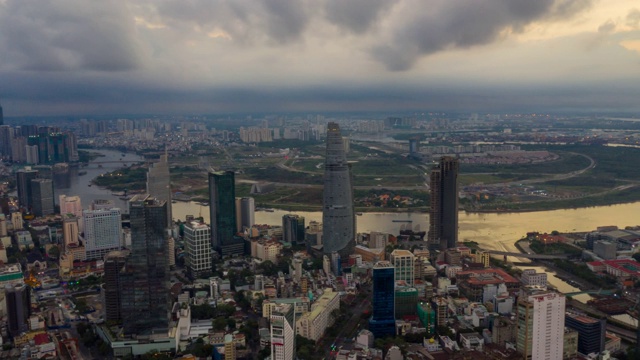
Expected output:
(248, 56)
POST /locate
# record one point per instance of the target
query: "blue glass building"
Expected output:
(383, 321)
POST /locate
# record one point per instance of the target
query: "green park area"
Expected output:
(384, 180)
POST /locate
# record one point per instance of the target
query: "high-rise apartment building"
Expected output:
(338, 216)
(222, 207)
(18, 299)
(443, 220)
(541, 326)
(144, 290)
(293, 229)
(102, 232)
(42, 197)
(114, 263)
(245, 213)
(197, 238)
(383, 321)
(23, 183)
(591, 332)
(159, 183)
(404, 263)
(283, 332)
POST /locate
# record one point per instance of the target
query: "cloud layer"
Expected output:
(268, 51)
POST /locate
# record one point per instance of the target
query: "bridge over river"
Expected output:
(527, 256)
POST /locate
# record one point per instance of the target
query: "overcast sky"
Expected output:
(74, 57)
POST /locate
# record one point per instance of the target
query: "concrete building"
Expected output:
(472, 283)
(42, 197)
(378, 240)
(531, 278)
(370, 254)
(427, 316)
(300, 305)
(197, 240)
(18, 299)
(267, 250)
(70, 205)
(245, 213)
(570, 343)
(403, 262)
(338, 215)
(102, 232)
(293, 229)
(541, 323)
(229, 348)
(443, 219)
(283, 332)
(607, 250)
(313, 324)
(70, 231)
(504, 331)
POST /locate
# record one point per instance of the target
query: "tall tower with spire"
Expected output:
(338, 217)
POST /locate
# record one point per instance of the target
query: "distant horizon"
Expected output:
(75, 58)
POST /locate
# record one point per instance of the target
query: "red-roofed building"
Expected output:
(623, 268)
(471, 283)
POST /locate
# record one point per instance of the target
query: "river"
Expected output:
(497, 231)
(70, 183)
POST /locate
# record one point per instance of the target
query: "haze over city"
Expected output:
(78, 58)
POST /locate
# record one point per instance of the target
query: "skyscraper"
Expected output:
(222, 207)
(293, 229)
(197, 239)
(541, 326)
(1, 116)
(114, 263)
(338, 217)
(23, 183)
(6, 137)
(42, 197)
(18, 308)
(144, 283)
(383, 321)
(102, 232)
(443, 222)
(159, 183)
(245, 213)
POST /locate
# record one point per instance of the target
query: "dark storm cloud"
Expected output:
(356, 15)
(246, 21)
(66, 35)
(441, 25)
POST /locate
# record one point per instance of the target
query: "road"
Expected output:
(353, 325)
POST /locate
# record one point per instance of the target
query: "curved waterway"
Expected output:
(497, 231)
